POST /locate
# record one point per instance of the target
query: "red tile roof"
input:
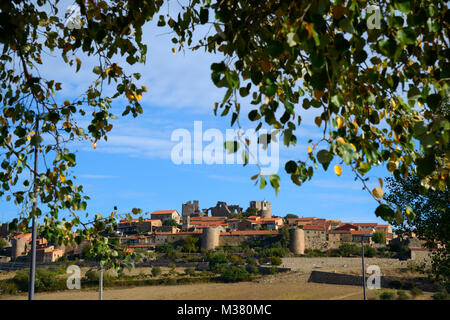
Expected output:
(316, 227)
(248, 232)
(359, 232)
(164, 211)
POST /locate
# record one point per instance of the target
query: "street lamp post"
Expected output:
(363, 270)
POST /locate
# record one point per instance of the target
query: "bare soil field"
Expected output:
(293, 285)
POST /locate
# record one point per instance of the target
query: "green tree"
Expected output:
(170, 222)
(2, 243)
(290, 215)
(379, 237)
(37, 121)
(376, 90)
(190, 244)
(428, 217)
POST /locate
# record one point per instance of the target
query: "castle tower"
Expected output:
(210, 238)
(297, 243)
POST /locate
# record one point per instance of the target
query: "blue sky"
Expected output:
(134, 169)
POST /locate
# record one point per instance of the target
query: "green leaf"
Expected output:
(324, 157)
(231, 146)
(384, 212)
(290, 166)
(275, 182)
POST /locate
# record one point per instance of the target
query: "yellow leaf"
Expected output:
(108, 70)
(393, 103)
(310, 28)
(339, 122)
(341, 140)
(94, 145)
(66, 103)
(174, 51)
(318, 121)
(377, 193)
(337, 170)
(381, 182)
(139, 97)
(353, 146)
(309, 150)
(62, 178)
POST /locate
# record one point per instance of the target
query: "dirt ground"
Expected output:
(293, 286)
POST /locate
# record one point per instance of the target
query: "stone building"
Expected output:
(192, 209)
(125, 226)
(315, 237)
(223, 210)
(263, 208)
(166, 214)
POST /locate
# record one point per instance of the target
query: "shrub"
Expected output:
(252, 261)
(387, 295)
(273, 252)
(237, 260)
(253, 269)
(396, 284)
(156, 271)
(414, 291)
(235, 274)
(401, 295)
(441, 295)
(349, 249)
(189, 271)
(216, 258)
(369, 251)
(276, 261)
(379, 237)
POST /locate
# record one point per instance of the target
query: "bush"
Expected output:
(349, 249)
(253, 269)
(441, 295)
(234, 274)
(156, 271)
(387, 295)
(401, 295)
(273, 252)
(237, 260)
(414, 291)
(252, 261)
(216, 258)
(276, 261)
(189, 271)
(379, 237)
(369, 252)
(395, 284)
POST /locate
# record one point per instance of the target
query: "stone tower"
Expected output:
(210, 238)
(297, 243)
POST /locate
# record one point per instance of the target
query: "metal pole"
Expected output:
(34, 231)
(363, 271)
(100, 291)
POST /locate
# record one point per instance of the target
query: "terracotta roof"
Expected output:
(359, 232)
(23, 235)
(249, 232)
(367, 224)
(164, 211)
(306, 219)
(316, 227)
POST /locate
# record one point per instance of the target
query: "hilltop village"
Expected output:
(222, 225)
